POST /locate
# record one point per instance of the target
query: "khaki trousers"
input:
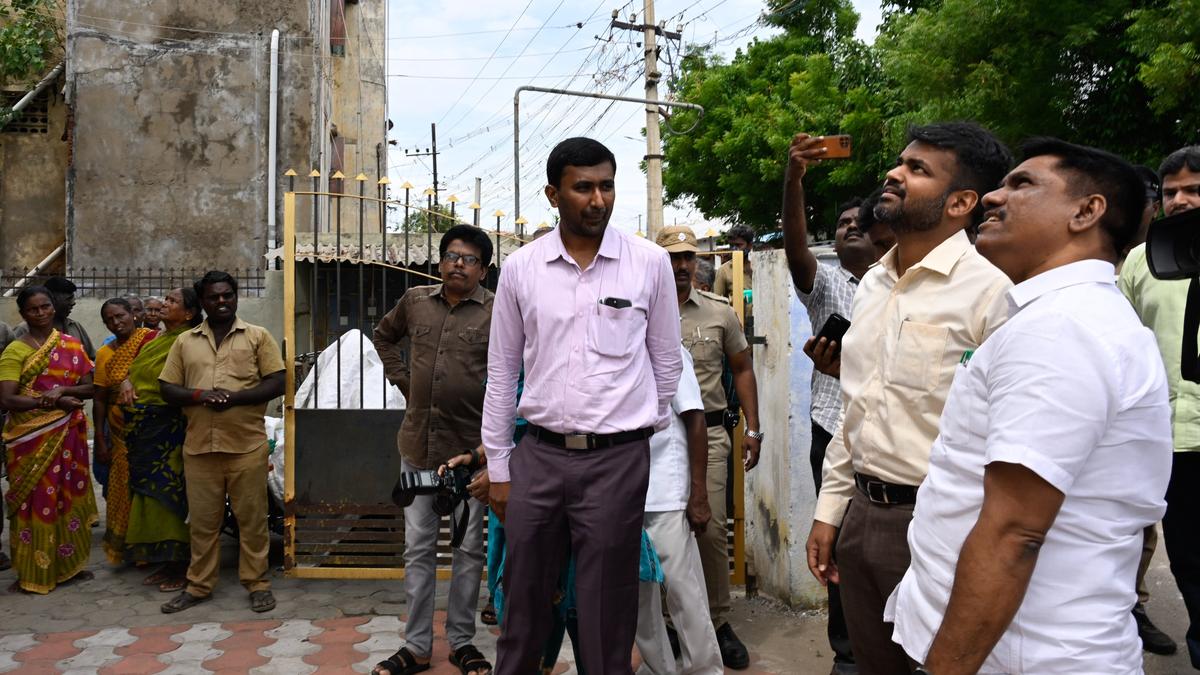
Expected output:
(243, 477)
(1149, 543)
(714, 546)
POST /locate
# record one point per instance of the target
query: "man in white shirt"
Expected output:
(676, 510)
(1055, 444)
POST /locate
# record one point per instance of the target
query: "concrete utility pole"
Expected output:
(478, 195)
(654, 189)
(430, 152)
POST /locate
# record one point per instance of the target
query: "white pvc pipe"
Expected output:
(272, 132)
(36, 270)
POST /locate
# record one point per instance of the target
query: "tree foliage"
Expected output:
(1117, 74)
(31, 38)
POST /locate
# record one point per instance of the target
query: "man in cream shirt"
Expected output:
(925, 308)
(1055, 449)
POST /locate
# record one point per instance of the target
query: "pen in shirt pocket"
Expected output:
(616, 303)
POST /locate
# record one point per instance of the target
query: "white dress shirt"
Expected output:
(1072, 388)
(670, 481)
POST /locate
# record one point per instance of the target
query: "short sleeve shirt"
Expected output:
(670, 482)
(710, 331)
(1072, 388)
(246, 356)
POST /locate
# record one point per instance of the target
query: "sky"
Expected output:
(457, 64)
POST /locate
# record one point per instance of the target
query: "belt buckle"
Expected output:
(882, 490)
(576, 441)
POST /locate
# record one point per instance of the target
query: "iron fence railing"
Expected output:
(107, 282)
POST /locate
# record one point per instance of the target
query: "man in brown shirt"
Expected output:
(447, 327)
(223, 373)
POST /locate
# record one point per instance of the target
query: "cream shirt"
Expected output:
(1072, 388)
(908, 336)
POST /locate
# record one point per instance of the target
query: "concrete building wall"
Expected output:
(780, 495)
(170, 137)
(33, 188)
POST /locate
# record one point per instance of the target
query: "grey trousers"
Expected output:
(687, 602)
(420, 575)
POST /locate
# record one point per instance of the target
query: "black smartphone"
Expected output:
(834, 329)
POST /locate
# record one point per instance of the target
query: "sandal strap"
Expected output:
(469, 659)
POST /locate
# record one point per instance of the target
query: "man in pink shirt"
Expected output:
(591, 314)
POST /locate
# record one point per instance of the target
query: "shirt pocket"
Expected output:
(242, 365)
(705, 347)
(616, 332)
(920, 350)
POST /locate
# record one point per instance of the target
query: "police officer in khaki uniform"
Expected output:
(710, 331)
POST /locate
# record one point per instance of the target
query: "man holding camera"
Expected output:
(446, 326)
(711, 333)
(825, 290)
(1160, 305)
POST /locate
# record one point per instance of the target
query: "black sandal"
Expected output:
(401, 663)
(470, 660)
(488, 615)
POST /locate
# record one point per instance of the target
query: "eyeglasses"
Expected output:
(468, 260)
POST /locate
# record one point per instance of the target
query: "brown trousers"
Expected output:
(243, 477)
(872, 557)
(1149, 543)
(589, 503)
(714, 542)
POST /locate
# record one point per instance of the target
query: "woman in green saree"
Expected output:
(154, 433)
(44, 378)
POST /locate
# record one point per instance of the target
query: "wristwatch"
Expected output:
(919, 670)
(756, 435)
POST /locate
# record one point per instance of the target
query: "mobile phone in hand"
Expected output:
(834, 329)
(836, 147)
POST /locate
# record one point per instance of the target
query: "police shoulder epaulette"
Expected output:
(714, 296)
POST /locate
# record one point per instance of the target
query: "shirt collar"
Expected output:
(693, 297)
(847, 274)
(1081, 272)
(203, 328)
(610, 245)
(941, 259)
(476, 295)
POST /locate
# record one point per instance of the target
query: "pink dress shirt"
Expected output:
(589, 367)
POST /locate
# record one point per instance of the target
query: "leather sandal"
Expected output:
(262, 601)
(182, 601)
(401, 663)
(470, 660)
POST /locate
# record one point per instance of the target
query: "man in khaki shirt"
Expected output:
(921, 312)
(711, 332)
(741, 238)
(223, 373)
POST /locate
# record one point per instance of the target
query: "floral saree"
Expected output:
(50, 495)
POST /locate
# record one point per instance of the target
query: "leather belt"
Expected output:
(715, 418)
(881, 492)
(588, 441)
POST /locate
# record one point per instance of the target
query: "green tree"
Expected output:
(814, 78)
(420, 219)
(31, 38)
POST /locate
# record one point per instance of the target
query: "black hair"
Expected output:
(213, 277)
(866, 210)
(30, 291)
(1150, 180)
(852, 203)
(471, 235)
(577, 151)
(191, 301)
(61, 285)
(1097, 171)
(743, 232)
(119, 302)
(982, 159)
(1187, 156)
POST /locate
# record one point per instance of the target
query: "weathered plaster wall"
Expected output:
(186, 114)
(360, 107)
(33, 189)
(780, 495)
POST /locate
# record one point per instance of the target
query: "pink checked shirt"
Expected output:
(590, 367)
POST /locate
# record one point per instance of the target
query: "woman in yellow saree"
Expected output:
(44, 378)
(112, 367)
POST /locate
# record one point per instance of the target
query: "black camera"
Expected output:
(1173, 253)
(1173, 246)
(448, 490)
